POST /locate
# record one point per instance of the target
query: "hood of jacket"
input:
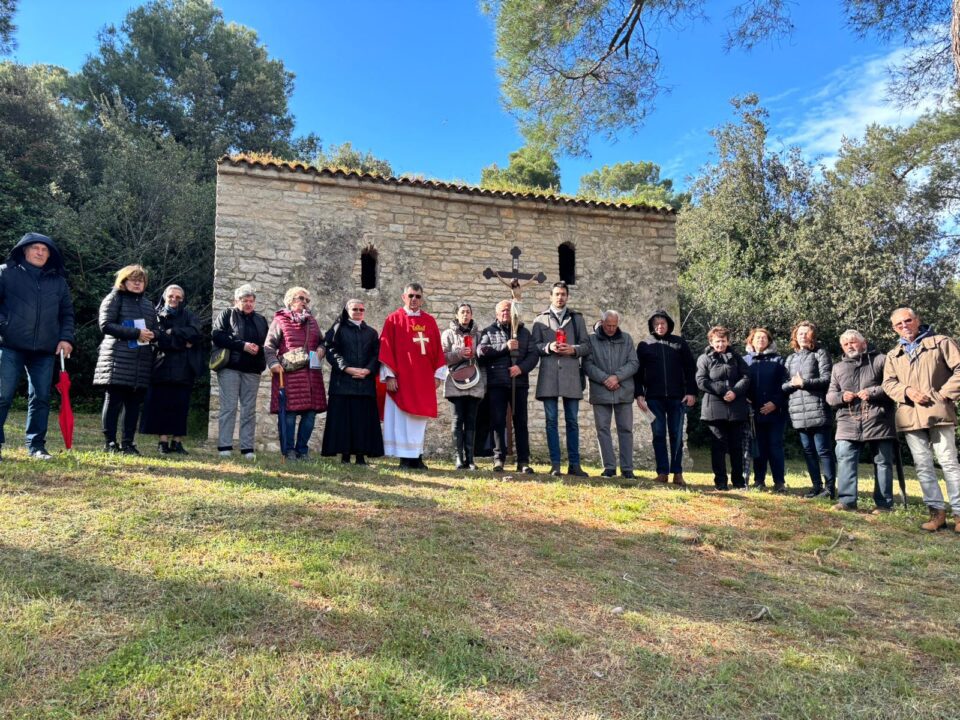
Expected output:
(666, 316)
(770, 351)
(602, 336)
(867, 355)
(54, 262)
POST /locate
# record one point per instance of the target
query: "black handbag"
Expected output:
(219, 358)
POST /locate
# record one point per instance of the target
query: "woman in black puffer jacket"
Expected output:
(809, 370)
(722, 375)
(128, 322)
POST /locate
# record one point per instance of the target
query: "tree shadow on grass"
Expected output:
(513, 603)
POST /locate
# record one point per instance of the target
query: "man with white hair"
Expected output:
(611, 365)
(865, 416)
(923, 375)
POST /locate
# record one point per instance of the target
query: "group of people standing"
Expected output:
(912, 389)
(383, 384)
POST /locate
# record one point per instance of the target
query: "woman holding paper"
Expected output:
(294, 347)
(128, 322)
(175, 368)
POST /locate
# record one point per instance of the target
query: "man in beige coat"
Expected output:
(922, 374)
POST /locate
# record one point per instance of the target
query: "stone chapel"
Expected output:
(346, 234)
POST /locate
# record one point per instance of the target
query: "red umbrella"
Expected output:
(66, 411)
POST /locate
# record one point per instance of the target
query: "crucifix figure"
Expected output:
(422, 340)
(515, 285)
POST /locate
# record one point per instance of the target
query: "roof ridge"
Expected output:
(260, 161)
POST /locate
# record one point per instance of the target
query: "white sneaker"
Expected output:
(225, 453)
(251, 456)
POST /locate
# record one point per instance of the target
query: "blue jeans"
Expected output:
(818, 452)
(302, 435)
(39, 367)
(770, 447)
(669, 413)
(848, 457)
(571, 407)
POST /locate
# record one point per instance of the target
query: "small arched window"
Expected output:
(368, 269)
(567, 257)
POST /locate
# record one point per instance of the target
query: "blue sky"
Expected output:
(415, 82)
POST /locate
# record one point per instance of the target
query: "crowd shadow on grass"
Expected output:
(519, 604)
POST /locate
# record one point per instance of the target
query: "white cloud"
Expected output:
(852, 98)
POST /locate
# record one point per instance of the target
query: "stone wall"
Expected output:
(279, 226)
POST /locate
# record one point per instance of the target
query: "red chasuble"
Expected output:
(410, 346)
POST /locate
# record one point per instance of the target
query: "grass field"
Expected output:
(197, 588)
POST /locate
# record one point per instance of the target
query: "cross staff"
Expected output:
(515, 286)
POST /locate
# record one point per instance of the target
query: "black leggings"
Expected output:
(126, 399)
(464, 426)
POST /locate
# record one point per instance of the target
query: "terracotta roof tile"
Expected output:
(292, 166)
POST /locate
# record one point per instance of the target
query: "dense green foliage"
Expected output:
(530, 166)
(631, 181)
(176, 66)
(769, 238)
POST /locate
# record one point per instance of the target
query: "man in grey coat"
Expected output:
(560, 336)
(865, 416)
(610, 366)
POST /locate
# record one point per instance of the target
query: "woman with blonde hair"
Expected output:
(294, 348)
(124, 368)
(808, 369)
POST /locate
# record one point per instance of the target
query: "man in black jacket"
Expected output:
(666, 385)
(36, 324)
(509, 363)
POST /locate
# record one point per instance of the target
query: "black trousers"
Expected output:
(726, 438)
(464, 427)
(499, 400)
(117, 399)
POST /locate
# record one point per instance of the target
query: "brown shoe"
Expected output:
(678, 480)
(938, 519)
(662, 478)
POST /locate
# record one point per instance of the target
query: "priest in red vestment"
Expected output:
(412, 365)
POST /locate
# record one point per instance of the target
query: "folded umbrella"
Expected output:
(282, 417)
(66, 410)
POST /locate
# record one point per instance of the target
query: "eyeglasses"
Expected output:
(359, 310)
(301, 298)
(414, 296)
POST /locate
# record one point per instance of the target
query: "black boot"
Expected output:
(163, 447)
(128, 448)
(468, 442)
(458, 443)
(361, 460)
(345, 458)
(177, 447)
